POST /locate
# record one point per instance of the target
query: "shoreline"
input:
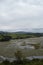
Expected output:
(2, 58)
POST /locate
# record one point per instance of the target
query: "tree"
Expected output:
(18, 55)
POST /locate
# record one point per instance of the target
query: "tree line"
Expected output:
(8, 36)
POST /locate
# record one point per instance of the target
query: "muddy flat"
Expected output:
(8, 48)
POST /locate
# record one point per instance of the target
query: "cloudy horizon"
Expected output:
(16, 15)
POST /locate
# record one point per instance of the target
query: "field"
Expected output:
(27, 46)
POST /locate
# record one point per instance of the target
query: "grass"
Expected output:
(24, 62)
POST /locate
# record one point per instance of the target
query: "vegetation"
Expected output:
(18, 55)
(6, 36)
(24, 62)
(20, 60)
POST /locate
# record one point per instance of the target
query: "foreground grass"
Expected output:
(24, 62)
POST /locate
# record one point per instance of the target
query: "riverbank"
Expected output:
(2, 58)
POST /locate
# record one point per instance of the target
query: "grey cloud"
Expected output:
(18, 14)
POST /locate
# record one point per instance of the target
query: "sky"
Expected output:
(21, 15)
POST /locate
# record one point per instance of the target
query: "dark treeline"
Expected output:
(6, 36)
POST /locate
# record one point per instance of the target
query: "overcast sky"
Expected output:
(16, 15)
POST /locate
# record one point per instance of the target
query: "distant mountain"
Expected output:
(21, 32)
(35, 30)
